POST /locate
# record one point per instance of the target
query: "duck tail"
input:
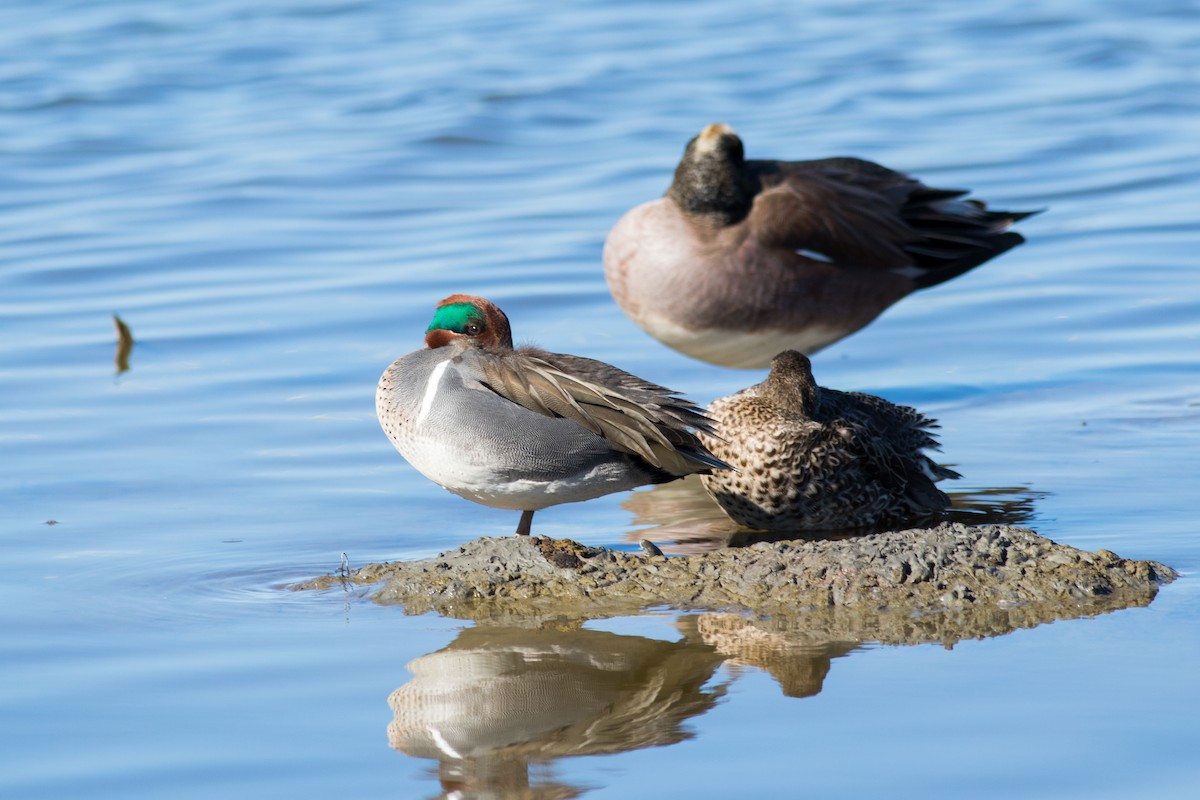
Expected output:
(956, 235)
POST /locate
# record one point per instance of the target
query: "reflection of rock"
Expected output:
(498, 698)
(937, 584)
(799, 662)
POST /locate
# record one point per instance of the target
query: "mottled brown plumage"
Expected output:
(811, 458)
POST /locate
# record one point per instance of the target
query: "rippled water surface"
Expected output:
(273, 195)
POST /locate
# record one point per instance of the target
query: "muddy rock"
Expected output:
(936, 584)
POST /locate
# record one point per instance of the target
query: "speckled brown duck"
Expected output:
(811, 458)
(743, 259)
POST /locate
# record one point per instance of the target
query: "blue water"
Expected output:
(273, 195)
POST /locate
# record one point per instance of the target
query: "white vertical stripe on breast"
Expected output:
(431, 387)
(434, 733)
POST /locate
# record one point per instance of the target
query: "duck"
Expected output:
(524, 428)
(809, 458)
(742, 259)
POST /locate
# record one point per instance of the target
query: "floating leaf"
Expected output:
(124, 344)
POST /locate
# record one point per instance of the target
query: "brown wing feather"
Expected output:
(847, 223)
(635, 415)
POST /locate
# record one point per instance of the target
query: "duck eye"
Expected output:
(472, 329)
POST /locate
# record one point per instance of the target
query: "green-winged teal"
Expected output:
(524, 428)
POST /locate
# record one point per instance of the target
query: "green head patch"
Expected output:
(465, 318)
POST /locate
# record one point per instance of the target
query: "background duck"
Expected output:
(810, 458)
(743, 259)
(524, 428)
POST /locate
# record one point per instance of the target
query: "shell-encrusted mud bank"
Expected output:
(938, 584)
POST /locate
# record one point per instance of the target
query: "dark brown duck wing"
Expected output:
(816, 210)
(862, 213)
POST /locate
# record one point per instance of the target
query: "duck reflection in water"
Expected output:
(683, 519)
(500, 700)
